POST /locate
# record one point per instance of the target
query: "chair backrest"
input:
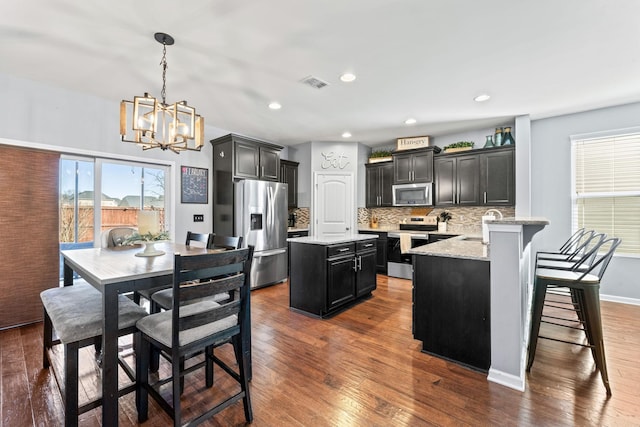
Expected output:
(227, 242)
(116, 236)
(585, 244)
(204, 276)
(570, 244)
(205, 238)
(603, 253)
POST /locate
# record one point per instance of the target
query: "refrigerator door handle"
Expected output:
(269, 253)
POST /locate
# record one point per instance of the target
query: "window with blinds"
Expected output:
(606, 188)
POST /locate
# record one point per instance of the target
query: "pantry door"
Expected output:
(334, 204)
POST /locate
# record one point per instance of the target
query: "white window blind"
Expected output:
(606, 193)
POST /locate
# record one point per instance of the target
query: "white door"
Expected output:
(334, 205)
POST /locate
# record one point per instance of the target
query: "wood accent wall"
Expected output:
(29, 248)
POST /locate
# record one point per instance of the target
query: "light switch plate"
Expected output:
(198, 218)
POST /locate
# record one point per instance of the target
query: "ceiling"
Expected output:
(424, 59)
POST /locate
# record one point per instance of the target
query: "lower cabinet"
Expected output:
(381, 252)
(290, 235)
(326, 278)
(451, 309)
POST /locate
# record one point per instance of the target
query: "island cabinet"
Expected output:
(325, 278)
(379, 179)
(289, 176)
(245, 158)
(381, 250)
(413, 166)
(451, 308)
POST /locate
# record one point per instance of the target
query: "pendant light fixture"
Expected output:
(156, 124)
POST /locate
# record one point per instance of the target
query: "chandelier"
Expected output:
(156, 124)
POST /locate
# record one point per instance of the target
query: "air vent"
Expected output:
(314, 82)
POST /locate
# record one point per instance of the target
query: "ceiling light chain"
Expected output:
(155, 124)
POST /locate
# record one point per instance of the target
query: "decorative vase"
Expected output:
(150, 250)
(489, 142)
(498, 138)
(507, 138)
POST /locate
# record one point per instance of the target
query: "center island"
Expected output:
(329, 274)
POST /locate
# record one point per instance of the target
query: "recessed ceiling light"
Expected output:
(347, 77)
(482, 97)
(346, 135)
(275, 106)
(410, 121)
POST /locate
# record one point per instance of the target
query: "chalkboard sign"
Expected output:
(194, 185)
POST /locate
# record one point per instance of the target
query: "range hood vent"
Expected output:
(314, 82)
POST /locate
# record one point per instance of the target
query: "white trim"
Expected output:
(621, 300)
(604, 134)
(505, 379)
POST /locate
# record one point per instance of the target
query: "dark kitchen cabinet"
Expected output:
(381, 250)
(497, 177)
(413, 166)
(289, 175)
(246, 158)
(451, 309)
(457, 180)
(326, 278)
(379, 179)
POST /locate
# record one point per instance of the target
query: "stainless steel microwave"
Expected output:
(418, 194)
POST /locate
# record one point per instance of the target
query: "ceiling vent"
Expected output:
(314, 82)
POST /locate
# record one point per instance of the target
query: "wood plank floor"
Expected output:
(359, 368)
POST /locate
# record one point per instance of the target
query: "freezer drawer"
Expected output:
(268, 267)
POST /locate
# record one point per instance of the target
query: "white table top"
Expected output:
(102, 266)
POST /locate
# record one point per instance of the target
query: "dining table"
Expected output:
(113, 271)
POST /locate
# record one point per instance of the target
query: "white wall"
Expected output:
(551, 186)
(71, 122)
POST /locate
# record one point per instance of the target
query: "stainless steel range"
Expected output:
(416, 229)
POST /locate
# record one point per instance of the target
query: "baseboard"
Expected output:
(622, 300)
(507, 380)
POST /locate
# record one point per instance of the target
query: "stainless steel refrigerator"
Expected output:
(261, 219)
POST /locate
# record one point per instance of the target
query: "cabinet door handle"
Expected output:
(257, 172)
(262, 171)
(355, 264)
(360, 262)
(343, 250)
(485, 197)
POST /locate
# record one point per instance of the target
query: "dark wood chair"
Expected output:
(207, 241)
(584, 286)
(75, 314)
(197, 323)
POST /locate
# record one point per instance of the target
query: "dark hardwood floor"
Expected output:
(361, 367)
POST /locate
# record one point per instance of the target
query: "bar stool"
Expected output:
(584, 286)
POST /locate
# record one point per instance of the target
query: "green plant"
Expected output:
(147, 237)
(444, 216)
(460, 144)
(383, 152)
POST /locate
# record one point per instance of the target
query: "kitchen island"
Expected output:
(329, 274)
(507, 265)
(451, 300)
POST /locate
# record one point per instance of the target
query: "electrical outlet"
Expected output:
(198, 218)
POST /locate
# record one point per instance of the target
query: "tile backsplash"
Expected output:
(464, 219)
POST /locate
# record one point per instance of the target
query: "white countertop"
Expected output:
(315, 240)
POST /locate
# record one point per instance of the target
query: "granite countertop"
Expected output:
(520, 221)
(468, 246)
(314, 240)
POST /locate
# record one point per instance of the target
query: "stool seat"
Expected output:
(566, 276)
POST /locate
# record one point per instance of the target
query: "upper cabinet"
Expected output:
(379, 180)
(497, 177)
(457, 180)
(246, 158)
(413, 166)
(289, 175)
(482, 177)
